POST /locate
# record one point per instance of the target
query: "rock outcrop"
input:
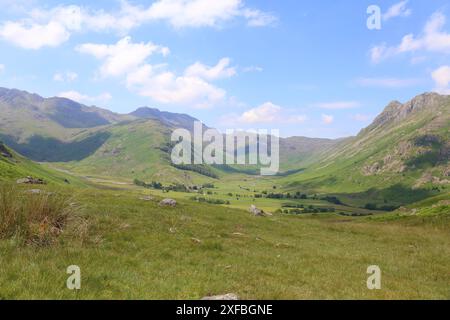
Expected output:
(30, 180)
(258, 212)
(168, 203)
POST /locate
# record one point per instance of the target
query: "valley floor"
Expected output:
(139, 250)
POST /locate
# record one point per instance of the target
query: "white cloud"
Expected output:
(122, 57)
(258, 18)
(198, 13)
(54, 26)
(2, 68)
(219, 71)
(397, 10)
(267, 112)
(168, 88)
(34, 36)
(81, 98)
(432, 39)
(130, 61)
(386, 82)
(68, 76)
(441, 77)
(338, 105)
(327, 119)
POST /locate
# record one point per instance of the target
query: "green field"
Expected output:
(137, 249)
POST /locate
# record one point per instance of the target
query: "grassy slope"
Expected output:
(342, 170)
(133, 151)
(147, 251)
(19, 167)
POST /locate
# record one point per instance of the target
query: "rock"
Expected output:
(168, 203)
(228, 296)
(35, 191)
(146, 198)
(443, 203)
(30, 180)
(238, 234)
(39, 191)
(370, 170)
(257, 212)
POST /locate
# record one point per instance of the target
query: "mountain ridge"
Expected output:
(111, 143)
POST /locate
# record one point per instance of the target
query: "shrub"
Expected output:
(35, 218)
(332, 199)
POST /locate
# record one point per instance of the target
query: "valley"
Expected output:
(337, 206)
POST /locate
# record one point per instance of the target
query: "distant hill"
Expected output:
(176, 120)
(301, 152)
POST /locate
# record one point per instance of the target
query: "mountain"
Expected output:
(300, 152)
(26, 114)
(97, 140)
(90, 139)
(176, 120)
(407, 145)
(22, 108)
(403, 154)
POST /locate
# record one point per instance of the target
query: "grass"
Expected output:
(19, 167)
(144, 251)
(36, 218)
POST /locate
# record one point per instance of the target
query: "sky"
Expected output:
(308, 68)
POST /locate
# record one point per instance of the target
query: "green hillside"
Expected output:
(138, 149)
(14, 167)
(94, 141)
(404, 156)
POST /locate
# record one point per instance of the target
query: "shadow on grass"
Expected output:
(44, 149)
(389, 198)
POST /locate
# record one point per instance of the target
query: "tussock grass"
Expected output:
(38, 218)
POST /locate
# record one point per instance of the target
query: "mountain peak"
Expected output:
(396, 111)
(168, 118)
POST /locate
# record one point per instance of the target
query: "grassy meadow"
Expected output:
(135, 249)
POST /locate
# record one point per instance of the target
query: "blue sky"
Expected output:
(309, 68)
